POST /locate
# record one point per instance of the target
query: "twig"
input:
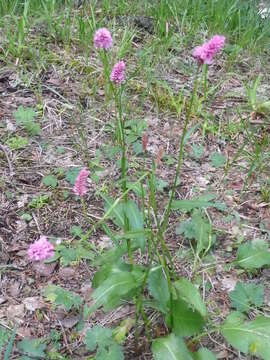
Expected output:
(11, 172)
(65, 338)
(36, 222)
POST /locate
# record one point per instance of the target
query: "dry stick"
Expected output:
(65, 338)
(11, 172)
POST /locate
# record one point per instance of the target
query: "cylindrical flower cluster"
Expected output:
(102, 39)
(80, 182)
(40, 249)
(118, 73)
(204, 54)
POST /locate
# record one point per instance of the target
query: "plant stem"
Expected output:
(163, 225)
(108, 87)
(121, 127)
(180, 155)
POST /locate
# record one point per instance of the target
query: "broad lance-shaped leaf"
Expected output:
(203, 354)
(188, 310)
(108, 269)
(203, 201)
(251, 337)
(158, 288)
(202, 230)
(134, 216)
(190, 294)
(116, 212)
(113, 289)
(253, 255)
(186, 321)
(170, 348)
(135, 220)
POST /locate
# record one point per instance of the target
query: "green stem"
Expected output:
(180, 155)
(168, 276)
(121, 123)
(204, 76)
(108, 87)
(163, 226)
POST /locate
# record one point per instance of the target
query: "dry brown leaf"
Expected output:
(66, 273)
(44, 269)
(33, 303)
(15, 313)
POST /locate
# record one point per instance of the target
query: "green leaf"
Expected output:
(97, 336)
(10, 344)
(160, 184)
(189, 293)
(49, 180)
(197, 151)
(217, 160)
(186, 321)
(112, 255)
(136, 187)
(114, 352)
(4, 335)
(263, 107)
(198, 229)
(101, 339)
(26, 217)
(60, 296)
(251, 337)
(113, 289)
(68, 255)
(253, 255)
(158, 288)
(32, 128)
(109, 268)
(137, 147)
(245, 296)
(134, 216)
(117, 213)
(71, 174)
(32, 347)
(203, 354)
(135, 220)
(170, 348)
(76, 231)
(202, 231)
(186, 229)
(17, 142)
(203, 201)
(24, 115)
(121, 331)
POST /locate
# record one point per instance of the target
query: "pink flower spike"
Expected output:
(80, 182)
(118, 73)
(102, 39)
(204, 54)
(40, 249)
